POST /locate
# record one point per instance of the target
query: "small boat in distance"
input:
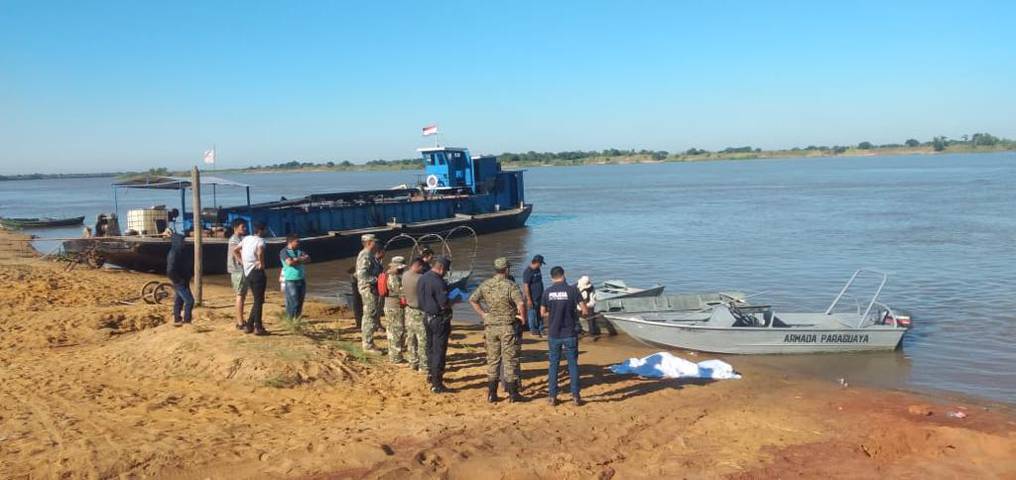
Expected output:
(44, 222)
(732, 326)
(618, 289)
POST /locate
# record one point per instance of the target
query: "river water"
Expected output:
(791, 231)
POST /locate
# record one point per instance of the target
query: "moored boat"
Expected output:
(618, 289)
(731, 326)
(459, 191)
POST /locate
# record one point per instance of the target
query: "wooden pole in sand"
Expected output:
(198, 232)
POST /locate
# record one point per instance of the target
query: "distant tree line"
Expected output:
(45, 176)
(577, 157)
(976, 140)
(938, 143)
(405, 163)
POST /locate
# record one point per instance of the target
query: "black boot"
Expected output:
(513, 393)
(492, 391)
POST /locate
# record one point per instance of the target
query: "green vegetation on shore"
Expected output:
(975, 143)
(45, 176)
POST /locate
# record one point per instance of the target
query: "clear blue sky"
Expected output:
(108, 85)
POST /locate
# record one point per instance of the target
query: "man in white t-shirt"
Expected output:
(252, 253)
(234, 265)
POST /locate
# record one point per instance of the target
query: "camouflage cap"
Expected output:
(397, 261)
(500, 263)
(367, 237)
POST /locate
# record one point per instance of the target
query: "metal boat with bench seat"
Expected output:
(731, 325)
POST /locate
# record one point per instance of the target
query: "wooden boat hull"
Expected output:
(18, 223)
(148, 254)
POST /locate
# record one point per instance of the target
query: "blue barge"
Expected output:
(459, 190)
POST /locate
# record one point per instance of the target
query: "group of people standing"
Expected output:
(245, 262)
(417, 306)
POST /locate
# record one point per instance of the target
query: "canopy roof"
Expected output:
(159, 182)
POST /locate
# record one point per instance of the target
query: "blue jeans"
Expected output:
(571, 352)
(296, 291)
(535, 322)
(184, 301)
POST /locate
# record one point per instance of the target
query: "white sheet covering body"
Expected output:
(666, 365)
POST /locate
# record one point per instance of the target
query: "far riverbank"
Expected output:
(534, 159)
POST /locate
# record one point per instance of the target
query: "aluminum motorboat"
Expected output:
(732, 325)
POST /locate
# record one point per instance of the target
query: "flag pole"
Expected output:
(215, 154)
(198, 229)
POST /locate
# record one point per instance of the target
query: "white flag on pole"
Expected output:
(210, 156)
(430, 130)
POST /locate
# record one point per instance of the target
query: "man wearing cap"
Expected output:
(561, 306)
(427, 255)
(432, 291)
(366, 282)
(416, 333)
(395, 315)
(499, 303)
(532, 288)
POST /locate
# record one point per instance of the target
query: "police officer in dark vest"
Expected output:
(432, 293)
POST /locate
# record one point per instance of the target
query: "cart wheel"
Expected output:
(162, 292)
(148, 290)
(95, 259)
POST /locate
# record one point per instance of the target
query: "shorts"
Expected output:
(239, 283)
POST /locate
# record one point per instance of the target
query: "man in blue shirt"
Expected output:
(532, 289)
(293, 259)
(560, 307)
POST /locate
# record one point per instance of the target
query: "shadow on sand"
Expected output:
(535, 370)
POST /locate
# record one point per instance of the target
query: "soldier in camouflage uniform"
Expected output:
(366, 282)
(416, 331)
(395, 316)
(499, 302)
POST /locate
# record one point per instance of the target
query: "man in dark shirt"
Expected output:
(560, 307)
(180, 270)
(427, 255)
(432, 293)
(532, 289)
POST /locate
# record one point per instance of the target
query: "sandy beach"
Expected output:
(96, 384)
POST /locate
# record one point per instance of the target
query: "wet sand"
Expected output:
(96, 388)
